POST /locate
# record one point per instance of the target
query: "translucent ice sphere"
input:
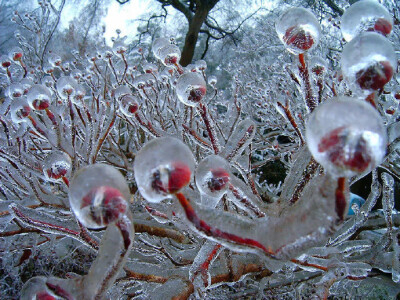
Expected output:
(158, 44)
(66, 86)
(368, 62)
(19, 110)
(365, 15)
(39, 97)
(98, 195)
(169, 55)
(191, 88)
(162, 168)
(346, 136)
(128, 105)
(213, 176)
(298, 29)
(57, 165)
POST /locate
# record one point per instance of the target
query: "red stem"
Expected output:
(310, 101)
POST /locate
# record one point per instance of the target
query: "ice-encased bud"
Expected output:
(57, 165)
(143, 81)
(191, 88)
(368, 61)
(119, 46)
(121, 91)
(150, 68)
(26, 84)
(66, 86)
(19, 110)
(213, 176)
(169, 55)
(298, 29)
(158, 44)
(128, 105)
(38, 97)
(346, 136)
(15, 53)
(162, 168)
(201, 65)
(15, 90)
(79, 94)
(54, 59)
(5, 61)
(365, 15)
(212, 80)
(318, 66)
(98, 195)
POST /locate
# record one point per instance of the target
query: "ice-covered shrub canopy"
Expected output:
(137, 177)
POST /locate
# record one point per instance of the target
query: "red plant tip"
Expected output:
(171, 179)
(335, 142)
(17, 94)
(40, 104)
(397, 96)
(106, 203)
(297, 37)
(196, 94)
(149, 71)
(219, 179)
(133, 108)
(17, 56)
(318, 70)
(57, 170)
(382, 26)
(375, 76)
(6, 64)
(171, 60)
(23, 112)
(44, 296)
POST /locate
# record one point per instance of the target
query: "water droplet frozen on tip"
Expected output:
(368, 62)
(66, 86)
(346, 136)
(128, 105)
(20, 110)
(15, 53)
(163, 167)
(365, 15)
(15, 90)
(54, 59)
(39, 97)
(158, 44)
(298, 29)
(169, 55)
(98, 195)
(57, 165)
(213, 176)
(191, 88)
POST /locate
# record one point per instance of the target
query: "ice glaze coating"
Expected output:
(191, 88)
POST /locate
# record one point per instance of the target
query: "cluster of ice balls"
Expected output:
(368, 59)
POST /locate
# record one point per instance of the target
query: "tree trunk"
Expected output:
(193, 34)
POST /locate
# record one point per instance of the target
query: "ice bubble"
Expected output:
(98, 195)
(365, 15)
(19, 110)
(346, 136)
(57, 165)
(158, 44)
(39, 97)
(191, 88)
(128, 105)
(162, 168)
(368, 61)
(213, 176)
(66, 86)
(298, 29)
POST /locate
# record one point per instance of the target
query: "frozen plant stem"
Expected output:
(305, 75)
